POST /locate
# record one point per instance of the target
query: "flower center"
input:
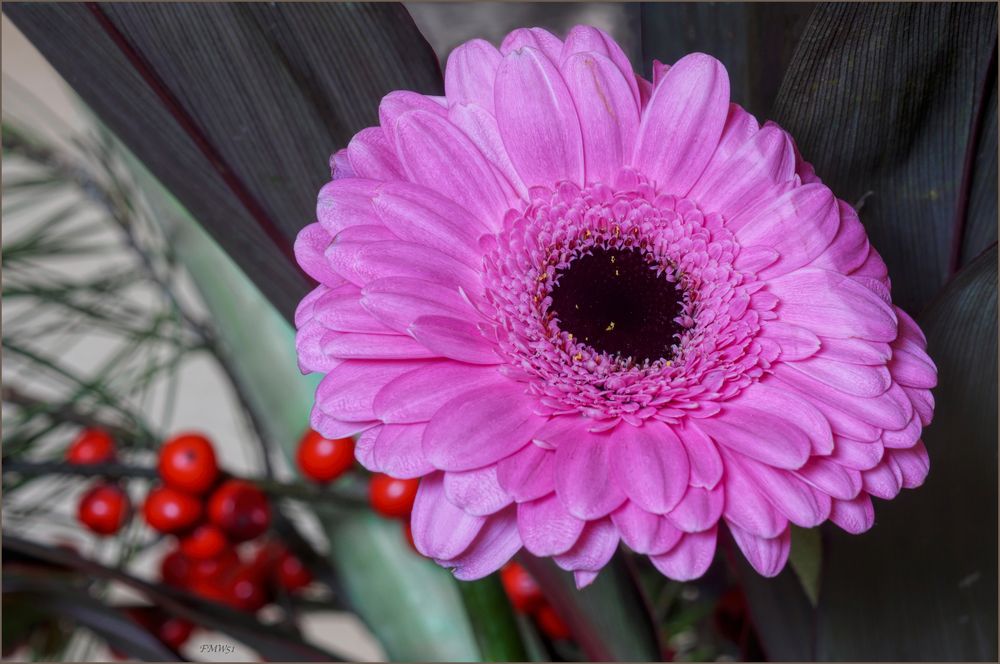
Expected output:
(615, 301)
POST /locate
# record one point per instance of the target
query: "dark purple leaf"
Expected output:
(881, 98)
(922, 584)
(236, 108)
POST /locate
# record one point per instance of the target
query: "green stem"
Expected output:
(492, 620)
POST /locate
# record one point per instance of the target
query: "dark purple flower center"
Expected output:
(614, 301)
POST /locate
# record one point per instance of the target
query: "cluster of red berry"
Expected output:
(214, 518)
(527, 598)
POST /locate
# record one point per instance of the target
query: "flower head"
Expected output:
(588, 309)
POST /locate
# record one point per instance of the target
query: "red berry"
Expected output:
(245, 590)
(214, 569)
(170, 511)
(210, 589)
(91, 446)
(176, 569)
(174, 632)
(390, 496)
(187, 463)
(206, 541)
(322, 459)
(240, 509)
(521, 588)
(551, 624)
(104, 509)
(291, 573)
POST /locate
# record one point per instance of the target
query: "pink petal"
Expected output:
(857, 379)
(595, 547)
(767, 159)
(341, 310)
(791, 496)
(584, 38)
(497, 543)
(528, 474)
(375, 260)
(400, 102)
(890, 410)
(476, 491)
(559, 428)
(759, 434)
(746, 505)
(905, 437)
(440, 529)
(849, 247)
(483, 131)
(310, 244)
(855, 516)
(797, 343)
(347, 392)
(690, 558)
(833, 305)
(583, 578)
(700, 509)
(330, 427)
(480, 427)
(856, 455)
(913, 464)
(832, 478)
(584, 480)
(740, 128)
(451, 337)
(650, 465)
(437, 155)
(399, 301)
(372, 156)
(537, 119)
(416, 395)
(884, 480)
(546, 528)
(309, 349)
(397, 451)
(536, 38)
(856, 351)
(358, 346)
(419, 215)
(767, 555)
(644, 532)
(344, 203)
(470, 72)
(798, 225)
(773, 397)
(703, 457)
(912, 369)
(608, 112)
(304, 311)
(682, 124)
(922, 402)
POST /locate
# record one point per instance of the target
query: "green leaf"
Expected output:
(806, 558)
(880, 97)
(412, 605)
(492, 620)
(608, 618)
(922, 584)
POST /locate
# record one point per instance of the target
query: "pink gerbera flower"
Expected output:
(587, 309)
